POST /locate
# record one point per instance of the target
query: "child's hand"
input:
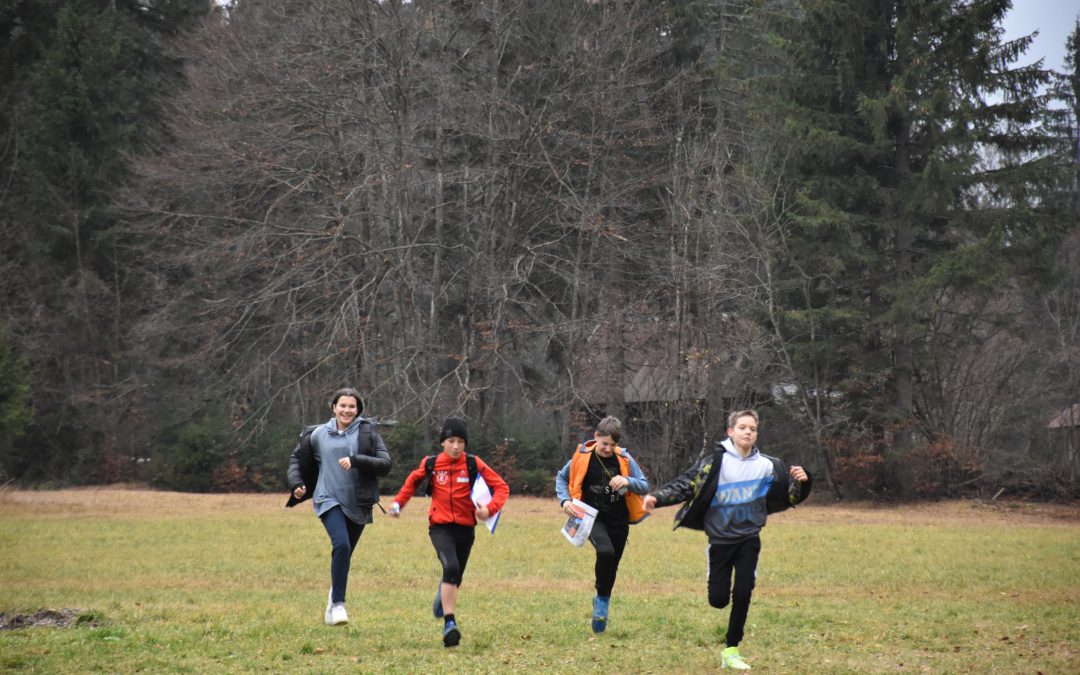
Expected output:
(648, 503)
(345, 463)
(482, 513)
(619, 483)
(798, 474)
(395, 510)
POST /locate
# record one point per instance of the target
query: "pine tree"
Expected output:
(904, 137)
(80, 82)
(14, 405)
(1065, 119)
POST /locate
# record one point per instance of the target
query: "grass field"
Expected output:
(165, 582)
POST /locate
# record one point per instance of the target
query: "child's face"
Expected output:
(744, 433)
(345, 411)
(605, 445)
(454, 446)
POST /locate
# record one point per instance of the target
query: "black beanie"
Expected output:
(454, 426)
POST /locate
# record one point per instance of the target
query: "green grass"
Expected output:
(213, 583)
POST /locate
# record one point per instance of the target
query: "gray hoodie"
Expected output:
(336, 486)
(737, 510)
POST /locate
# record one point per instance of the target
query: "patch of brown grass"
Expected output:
(128, 501)
(957, 512)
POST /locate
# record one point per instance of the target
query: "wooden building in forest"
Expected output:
(1064, 432)
(671, 391)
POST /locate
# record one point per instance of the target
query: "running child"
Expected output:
(607, 478)
(453, 515)
(728, 494)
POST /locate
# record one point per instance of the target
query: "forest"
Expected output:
(859, 217)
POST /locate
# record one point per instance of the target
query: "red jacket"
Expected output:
(451, 495)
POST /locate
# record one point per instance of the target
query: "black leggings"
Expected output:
(609, 542)
(452, 543)
(740, 557)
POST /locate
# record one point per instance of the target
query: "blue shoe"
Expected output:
(436, 607)
(599, 613)
(451, 636)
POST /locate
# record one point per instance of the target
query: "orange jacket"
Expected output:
(451, 494)
(579, 465)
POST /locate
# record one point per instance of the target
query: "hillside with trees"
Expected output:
(860, 217)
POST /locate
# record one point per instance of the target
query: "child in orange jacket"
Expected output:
(604, 476)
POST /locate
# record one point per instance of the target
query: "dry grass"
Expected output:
(134, 502)
(167, 582)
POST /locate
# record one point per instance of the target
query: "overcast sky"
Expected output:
(1054, 19)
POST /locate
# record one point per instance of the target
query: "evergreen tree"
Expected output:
(80, 82)
(906, 142)
(86, 103)
(14, 402)
(1065, 119)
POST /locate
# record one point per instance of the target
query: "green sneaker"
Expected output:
(730, 658)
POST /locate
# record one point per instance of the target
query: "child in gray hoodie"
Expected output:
(729, 493)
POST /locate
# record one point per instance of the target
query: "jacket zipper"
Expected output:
(450, 493)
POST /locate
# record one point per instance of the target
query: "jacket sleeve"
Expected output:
(500, 491)
(293, 475)
(639, 485)
(680, 488)
(562, 484)
(378, 464)
(409, 486)
(786, 491)
(798, 491)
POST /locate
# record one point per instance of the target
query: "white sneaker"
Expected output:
(337, 616)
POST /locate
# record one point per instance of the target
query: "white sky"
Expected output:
(1054, 19)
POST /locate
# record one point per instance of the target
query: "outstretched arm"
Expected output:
(408, 488)
(679, 489)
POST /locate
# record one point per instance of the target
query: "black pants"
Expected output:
(740, 557)
(452, 543)
(609, 542)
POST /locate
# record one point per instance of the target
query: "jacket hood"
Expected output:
(730, 449)
(587, 446)
(332, 426)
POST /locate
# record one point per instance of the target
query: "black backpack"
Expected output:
(429, 469)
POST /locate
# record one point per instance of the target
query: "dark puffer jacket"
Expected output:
(696, 486)
(370, 461)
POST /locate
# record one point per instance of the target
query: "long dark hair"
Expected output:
(348, 391)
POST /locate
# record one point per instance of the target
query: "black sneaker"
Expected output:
(451, 636)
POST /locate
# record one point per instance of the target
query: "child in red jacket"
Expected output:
(453, 515)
